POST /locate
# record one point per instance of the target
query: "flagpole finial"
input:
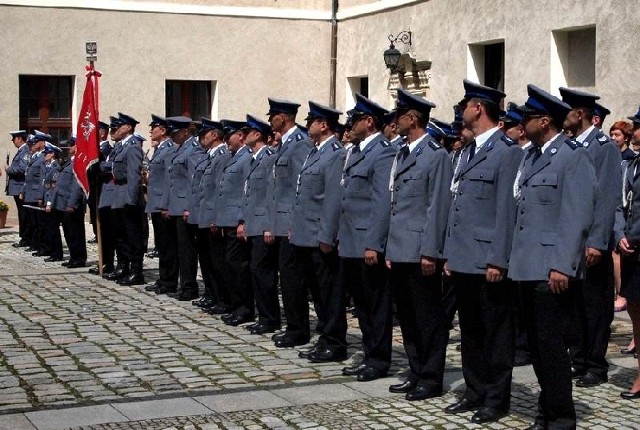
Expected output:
(91, 49)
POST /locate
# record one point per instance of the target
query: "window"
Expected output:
(45, 104)
(485, 64)
(573, 58)
(188, 98)
(356, 84)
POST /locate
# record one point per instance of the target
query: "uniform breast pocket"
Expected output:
(310, 179)
(544, 188)
(481, 183)
(282, 167)
(413, 184)
(359, 180)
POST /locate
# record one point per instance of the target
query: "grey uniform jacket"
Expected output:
(158, 178)
(316, 212)
(52, 171)
(420, 199)
(106, 176)
(17, 169)
(555, 212)
(282, 185)
(607, 159)
(127, 173)
(627, 223)
(33, 187)
(179, 179)
(194, 196)
(366, 199)
(69, 194)
(482, 211)
(228, 201)
(209, 185)
(254, 203)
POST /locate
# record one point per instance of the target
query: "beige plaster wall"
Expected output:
(442, 29)
(282, 4)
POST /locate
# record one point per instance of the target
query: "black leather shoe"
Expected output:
(40, 254)
(328, 354)
(420, 392)
(575, 373)
(21, 244)
(134, 279)
(628, 395)
(152, 287)
(165, 290)
(305, 353)
(370, 374)
(186, 296)
(290, 341)
(75, 264)
(105, 269)
(116, 274)
(463, 405)
(204, 302)
(152, 254)
(30, 249)
(402, 388)
(536, 426)
(353, 370)
(487, 415)
(236, 320)
(263, 328)
(65, 263)
(628, 351)
(53, 259)
(216, 309)
(279, 335)
(590, 379)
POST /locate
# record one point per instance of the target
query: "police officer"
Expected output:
(70, 202)
(105, 199)
(32, 192)
(15, 180)
(94, 177)
(556, 188)
(390, 130)
(128, 202)
(156, 188)
(208, 190)
(599, 114)
(288, 162)
(477, 246)
(226, 218)
(419, 182)
(362, 236)
(254, 221)
(314, 230)
(52, 241)
(207, 133)
(177, 201)
(594, 295)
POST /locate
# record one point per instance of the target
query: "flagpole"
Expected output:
(92, 56)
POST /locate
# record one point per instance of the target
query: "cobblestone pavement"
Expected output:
(68, 339)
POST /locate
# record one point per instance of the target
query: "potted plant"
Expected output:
(3, 213)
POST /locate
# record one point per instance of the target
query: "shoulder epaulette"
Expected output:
(602, 138)
(299, 137)
(385, 143)
(572, 143)
(336, 146)
(506, 139)
(434, 145)
(269, 150)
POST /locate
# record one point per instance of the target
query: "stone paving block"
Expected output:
(252, 400)
(161, 408)
(318, 394)
(75, 417)
(15, 422)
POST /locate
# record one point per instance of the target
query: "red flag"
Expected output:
(87, 147)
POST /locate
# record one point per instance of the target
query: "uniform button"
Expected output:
(481, 176)
(523, 199)
(393, 213)
(457, 209)
(522, 212)
(455, 225)
(521, 227)
(544, 180)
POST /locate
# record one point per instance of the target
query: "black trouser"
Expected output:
(23, 219)
(594, 297)
(74, 235)
(120, 236)
(294, 293)
(372, 299)
(91, 203)
(165, 232)
(238, 258)
(485, 310)
(107, 235)
(34, 226)
(52, 240)
(425, 331)
(329, 297)
(220, 271)
(449, 300)
(264, 275)
(545, 315)
(187, 255)
(206, 263)
(145, 232)
(521, 344)
(134, 218)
